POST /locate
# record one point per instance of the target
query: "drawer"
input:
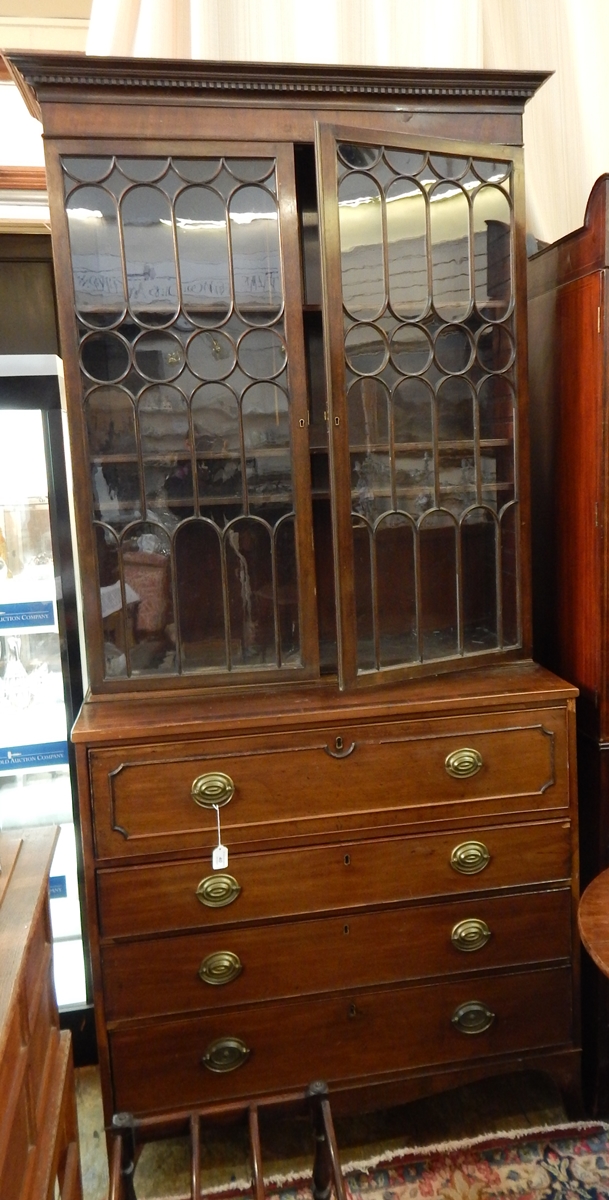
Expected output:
(300, 785)
(160, 1066)
(140, 900)
(200, 971)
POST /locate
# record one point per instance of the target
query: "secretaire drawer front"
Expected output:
(224, 968)
(286, 1045)
(139, 900)
(159, 797)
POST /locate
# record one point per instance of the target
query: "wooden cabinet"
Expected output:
(295, 348)
(38, 1131)
(568, 355)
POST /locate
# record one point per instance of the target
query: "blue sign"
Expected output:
(24, 758)
(58, 887)
(30, 614)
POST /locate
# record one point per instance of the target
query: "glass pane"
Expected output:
(147, 574)
(201, 230)
(149, 255)
(457, 478)
(249, 570)
(454, 349)
(479, 566)
(211, 355)
(215, 419)
(413, 412)
(254, 226)
(405, 162)
(197, 170)
(455, 406)
(250, 170)
(493, 252)
(495, 348)
(165, 438)
(143, 170)
(158, 355)
(366, 350)
(364, 608)
(361, 246)
(99, 293)
(358, 156)
(509, 576)
(110, 418)
(496, 404)
(105, 357)
(116, 492)
(448, 167)
(396, 590)
(368, 409)
(163, 421)
(266, 430)
(449, 232)
(407, 249)
(198, 560)
(438, 574)
(287, 591)
(411, 349)
(262, 353)
(89, 170)
(116, 618)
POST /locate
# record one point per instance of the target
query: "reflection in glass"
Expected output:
(368, 409)
(448, 167)
(396, 590)
(438, 561)
(410, 349)
(198, 564)
(495, 348)
(115, 618)
(266, 429)
(358, 156)
(197, 170)
(149, 255)
(262, 353)
(116, 492)
(250, 170)
(143, 170)
(287, 590)
(249, 572)
(211, 355)
(454, 349)
(99, 294)
(405, 162)
(455, 409)
(219, 478)
(201, 231)
(361, 246)
(449, 232)
(254, 230)
(407, 249)
(163, 420)
(105, 357)
(492, 252)
(159, 356)
(88, 170)
(110, 419)
(479, 572)
(492, 171)
(366, 349)
(215, 419)
(147, 574)
(364, 604)
(413, 412)
(496, 408)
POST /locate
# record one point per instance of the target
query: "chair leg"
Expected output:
(123, 1124)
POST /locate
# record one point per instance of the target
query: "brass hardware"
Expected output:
(216, 891)
(340, 750)
(212, 788)
(338, 743)
(469, 935)
(301, 422)
(337, 420)
(462, 764)
(473, 1017)
(470, 857)
(221, 967)
(347, 860)
(225, 1054)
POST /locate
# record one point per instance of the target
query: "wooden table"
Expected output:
(593, 919)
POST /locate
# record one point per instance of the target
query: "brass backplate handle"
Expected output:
(220, 967)
(461, 764)
(225, 1054)
(216, 891)
(472, 1017)
(471, 934)
(213, 788)
(470, 857)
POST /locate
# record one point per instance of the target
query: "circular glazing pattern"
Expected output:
(405, 162)
(358, 157)
(366, 350)
(491, 172)
(211, 355)
(159, 356)
(143, 170)
(197, 170)
(495, 348)
(446, 167)
(454, 349)
(262, 353)
(105, 357)
(410, 349)
(250, 170)
(87, 170)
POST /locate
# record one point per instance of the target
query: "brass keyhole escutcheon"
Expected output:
(225, 1054)
(471, 934)
(212, 788)
(220, 967)
(462, 764)
(470, 857)
(216, 891)
(472, 1017)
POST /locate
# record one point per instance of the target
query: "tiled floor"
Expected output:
(510, 1102)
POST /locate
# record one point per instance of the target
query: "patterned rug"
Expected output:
(568, 1162)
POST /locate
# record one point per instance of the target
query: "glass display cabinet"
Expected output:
(291, 315)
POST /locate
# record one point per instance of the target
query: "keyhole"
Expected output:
(352, 1010)
(338, 743)
(347, 859)
(346, 929)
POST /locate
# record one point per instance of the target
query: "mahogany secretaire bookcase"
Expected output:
(327, 798)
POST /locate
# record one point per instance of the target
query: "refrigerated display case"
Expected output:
(40, 677)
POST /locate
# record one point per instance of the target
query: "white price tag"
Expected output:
(219, 858)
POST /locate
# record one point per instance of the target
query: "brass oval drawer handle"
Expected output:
(470, 857)
(461, 764)
(220, 967)
(470, 934)
(212, 788)
(472, 1017)
(225, 1054)
(216, 891)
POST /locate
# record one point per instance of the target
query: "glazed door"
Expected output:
(191, 398)
(419, 258)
